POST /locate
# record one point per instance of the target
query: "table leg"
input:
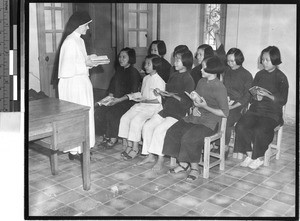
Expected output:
(86, 169)
(54, 163)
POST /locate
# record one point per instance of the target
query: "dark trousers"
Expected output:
(107, 118)
(254, 129)
(185, 141)
(233, 117)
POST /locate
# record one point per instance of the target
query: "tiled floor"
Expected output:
(119, 188)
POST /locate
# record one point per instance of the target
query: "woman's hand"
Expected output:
(201, 104)
(262, 94)
(114, 101)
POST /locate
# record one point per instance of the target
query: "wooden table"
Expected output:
(60, 125)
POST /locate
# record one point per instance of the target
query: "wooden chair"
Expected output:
(269, 153)
(278, 133)
(207, 153)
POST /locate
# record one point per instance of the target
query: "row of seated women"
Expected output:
(171, 123)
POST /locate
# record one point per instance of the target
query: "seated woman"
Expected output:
(174, 109)
(158, 47)
(237, 81)
(185, 139)
(132, 121)
(125, 81)
(257, 125)
(204, 51)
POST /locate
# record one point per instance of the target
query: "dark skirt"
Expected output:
(185, 141)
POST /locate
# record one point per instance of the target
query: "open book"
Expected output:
(194, 96)
(253, 90)
(137, 96)
(105, 101)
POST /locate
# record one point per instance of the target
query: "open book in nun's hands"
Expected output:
(253, 90)
(194, 96)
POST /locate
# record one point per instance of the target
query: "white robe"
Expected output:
(74, 83)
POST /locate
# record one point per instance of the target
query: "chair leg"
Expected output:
(267, 156)
(206, 153)
(278, 145)
(54, 163)
(172, 162)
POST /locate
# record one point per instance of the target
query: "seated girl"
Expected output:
(185, 139)
(158, 47)
(174, 109)
(132, 121)
(255, 129)
(126, 80)
(237, 81)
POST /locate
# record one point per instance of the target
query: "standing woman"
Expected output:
(265, 112)
(73, 71)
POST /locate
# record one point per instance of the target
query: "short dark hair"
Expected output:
(156, 61)
(161, 47)
(179, 48)
(238, 55)
(186, 58)
(274, 55)
(214, 65)
(208, 50)
(131, 54)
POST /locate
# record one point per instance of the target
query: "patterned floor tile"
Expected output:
(187, 201)
(83, 205)
(49, 205)
(254, 178)
(101, 211)
(55, 190)
(38, 197)
(285, 198)
(183, 187)
(169, 194)
(276, 207)
(136, 181)
(244, 185)
(154, 202)
(104, 196)
(264, 213)
(119, 203)
(201, 193)
(233, 192)
(265, 192)
(226, 180)
(254, 199)
(69, 197)
(243, 208)
(64, 211)
(152, 188)
(172, 209)
(208, 209)
(221, 200)
(136, 195)
(137, 210)
(214, 186)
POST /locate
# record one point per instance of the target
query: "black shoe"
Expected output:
(72, 156)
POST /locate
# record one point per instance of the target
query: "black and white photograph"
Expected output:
(183, 110)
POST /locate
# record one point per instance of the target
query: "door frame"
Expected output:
(45, 84)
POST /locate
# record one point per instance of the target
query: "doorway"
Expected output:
(51, 20)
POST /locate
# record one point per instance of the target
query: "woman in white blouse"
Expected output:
(73, 70)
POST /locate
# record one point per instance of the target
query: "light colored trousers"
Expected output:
(132, 121)
(154, 132)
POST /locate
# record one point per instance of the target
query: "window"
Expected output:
(212, 14)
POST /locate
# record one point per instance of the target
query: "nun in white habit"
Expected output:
(73, 71)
